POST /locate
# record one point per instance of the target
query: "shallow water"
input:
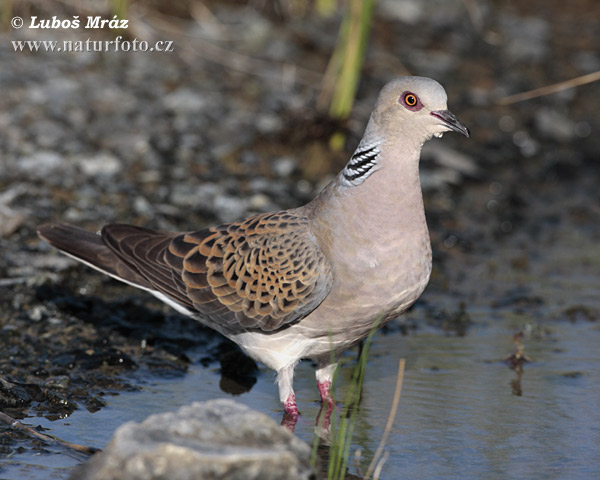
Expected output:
(463, 412)
(460, 417)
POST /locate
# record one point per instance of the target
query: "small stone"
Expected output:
(37, 313)
(527, 39)
(450, 158)
(143, 206)
(184, 101)
(587, 61)
(284, 166)
(259, 202)
(407, 11)
(230, 208)
(268, 123)
(103, 164)
(554, 125)
(13, 395)
(58, 382)
(453, 166)
(41, 163)
(10, 221)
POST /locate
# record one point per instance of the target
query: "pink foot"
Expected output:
(290, 417)
(290, 406)
(327, 404)
(324, 389)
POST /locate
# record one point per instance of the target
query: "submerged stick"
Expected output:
(11, 422)
(375, 464)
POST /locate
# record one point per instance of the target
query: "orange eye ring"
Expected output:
(410, 99)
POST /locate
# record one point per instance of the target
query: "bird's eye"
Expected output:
(411, 101)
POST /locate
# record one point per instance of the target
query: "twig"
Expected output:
(388, 427)
(11, 422)
(549, 89)
(379, 466)
(357, 455)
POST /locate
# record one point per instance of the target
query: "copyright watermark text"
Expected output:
(89, 45)
(95, 22)
(89, 22)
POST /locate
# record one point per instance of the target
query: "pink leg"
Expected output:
(324, 376)
(327, 404)
(324, 389)
(290, 406)
(290, 417)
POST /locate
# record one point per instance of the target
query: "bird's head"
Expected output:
(415, 107)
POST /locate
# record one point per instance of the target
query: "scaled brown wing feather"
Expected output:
(263, 272)
(267, 270)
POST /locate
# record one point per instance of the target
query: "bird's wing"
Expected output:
(263, 272)
(142, 251)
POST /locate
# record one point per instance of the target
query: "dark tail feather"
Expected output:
(89, 248)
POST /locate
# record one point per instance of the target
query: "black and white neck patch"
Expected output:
(361, 164)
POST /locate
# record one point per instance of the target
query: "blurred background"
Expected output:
(258, 105)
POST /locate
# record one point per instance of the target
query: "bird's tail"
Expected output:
(89, 248)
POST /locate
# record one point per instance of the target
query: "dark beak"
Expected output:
(450, 120)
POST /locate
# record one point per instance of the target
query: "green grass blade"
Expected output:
(348, 57)
(342, 427)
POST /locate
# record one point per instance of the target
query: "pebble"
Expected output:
(230, 208)
(185, 101)
(102, 164)
(407, 11)
(527, 39)
(284, 166)
(553, 125)
(41, 163)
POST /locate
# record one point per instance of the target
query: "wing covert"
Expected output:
(267, 271)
